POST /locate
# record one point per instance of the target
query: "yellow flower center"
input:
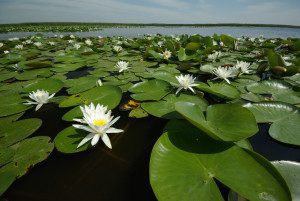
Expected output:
(100, 122)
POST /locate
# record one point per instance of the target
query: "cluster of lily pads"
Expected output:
(213, 90)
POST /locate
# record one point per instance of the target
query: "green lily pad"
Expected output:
(13, 132)
(287, 129)
(166, 107)
(291, 173)
(81, 84)
(68, 139)
(11, 103)
(51, 85)
(280, 90)
(105, 95)
(150, 90)
(221, 90)
(227, 122)
(184, 163)
(270, 111)
(27, 153)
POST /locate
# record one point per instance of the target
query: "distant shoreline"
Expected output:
(146, 24)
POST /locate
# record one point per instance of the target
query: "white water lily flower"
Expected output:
(166, 54)
(160, 43)
(40, 97)
(225, 73)
(72, 36)
(51, 43)
(214, 56)
(28, 41)
(1, 44)
(77, 46)
(19, 47)
(122, 65)
(70, 41)
(99, 83)
(100, 37)
(6, 51)
(88, 42)
(117, 48)
(99, 121)
(13, 39)
(236, 45)
(244, 67)
(61, 36)
(252, 39)
(38, 44)
(185, 82)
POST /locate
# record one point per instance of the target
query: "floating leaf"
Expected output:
(68, 139)
(13, 132)
(184, 163)
(270, 111)
(150, 90)
(166, 107)
(291, 173)
(228, 122)
(51, 85)
(105, 95)
(287, 129)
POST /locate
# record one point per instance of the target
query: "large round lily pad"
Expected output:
(13, 132)
(221, 90)
(270, 111)
(26, 154)
(51, 85)
(287, 130)
(184, 163)
(228, 122)
(166, 107)
(68, 139)
(150, 90)
(290, 171)
(11, 103)
(105, 95)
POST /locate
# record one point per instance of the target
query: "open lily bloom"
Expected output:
(88, 42)
(122, 65)
(166, 54)
(40, 97)
(99, 121)
(225, 73)
(117, 48)
(244, 67)
(185, 82)
(213, 57)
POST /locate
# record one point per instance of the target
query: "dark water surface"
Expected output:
(100, 174)
(268, 32)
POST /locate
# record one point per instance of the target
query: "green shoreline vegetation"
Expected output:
(83, 27)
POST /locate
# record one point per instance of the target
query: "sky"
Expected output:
(152, 11)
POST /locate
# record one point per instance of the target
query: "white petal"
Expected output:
(114, 121)
(192, 89)
(95, 139)
(38, 107)
(51, 96)
(87, 138)
(178, 90)
(114, 130)
(106, 140)
(227, 80)
(88, 129)
(80, 120)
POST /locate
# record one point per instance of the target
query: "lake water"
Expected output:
(268, 32)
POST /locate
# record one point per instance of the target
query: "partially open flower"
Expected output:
(40, 97)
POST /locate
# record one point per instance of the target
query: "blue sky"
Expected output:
(152, 11)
